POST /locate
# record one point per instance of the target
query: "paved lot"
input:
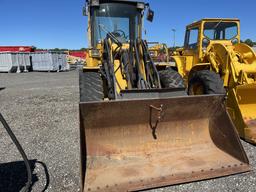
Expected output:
(42, 109)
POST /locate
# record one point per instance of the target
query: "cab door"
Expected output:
(191, 44)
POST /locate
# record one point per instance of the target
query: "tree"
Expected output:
(249, 42)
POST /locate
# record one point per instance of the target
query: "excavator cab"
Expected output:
(138, 128)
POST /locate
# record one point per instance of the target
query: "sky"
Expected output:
(60, 23)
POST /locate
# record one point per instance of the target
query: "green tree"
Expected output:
(249, 42)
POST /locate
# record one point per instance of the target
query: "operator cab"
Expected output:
(212, 30)
(201, 34)
(119, 20)
(109, 20)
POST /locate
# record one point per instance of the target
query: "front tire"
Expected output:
(171, 79)
(91, 86)
(205, 82)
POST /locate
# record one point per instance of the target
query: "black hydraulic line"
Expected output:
(109, 69)
(106, 64)
(147, 67)
(26, 188)
(133, 69)
(115, 56)
(152, 65)
(125, 61)
(124, 67)
(141, 82)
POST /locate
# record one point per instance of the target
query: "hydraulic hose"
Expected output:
(26, 188)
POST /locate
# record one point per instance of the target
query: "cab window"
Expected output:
(191, 38)
(220, 30)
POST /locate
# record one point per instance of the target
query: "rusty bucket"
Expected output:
(140, 144)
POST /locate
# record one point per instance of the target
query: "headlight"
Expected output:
(94, 53)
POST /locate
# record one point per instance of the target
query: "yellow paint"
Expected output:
(236, 65)
(157, 49)
(92, 62)
(121, 83)
(142, 64)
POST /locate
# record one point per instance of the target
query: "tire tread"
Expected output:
(91, 86)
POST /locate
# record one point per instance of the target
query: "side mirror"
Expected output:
(85, 11)
(235, 41)
(206, 42)
(150, 15)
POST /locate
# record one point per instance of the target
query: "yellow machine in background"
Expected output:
(214, 61)
(159, 52)
(138, 128)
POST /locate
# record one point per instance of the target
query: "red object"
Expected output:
(17, 49)
(81, 54)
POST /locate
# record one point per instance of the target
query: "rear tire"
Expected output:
(171, 79)
(91, 86)
(208, 81)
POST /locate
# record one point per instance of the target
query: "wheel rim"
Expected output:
(197, 89)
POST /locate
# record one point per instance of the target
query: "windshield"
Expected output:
(115, 19)
(220, 30)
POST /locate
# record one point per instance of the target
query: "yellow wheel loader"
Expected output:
(138, 128)
(159, 53)
(214, 61)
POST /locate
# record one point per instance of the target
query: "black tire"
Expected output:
(209, 81)
(91, 86)
(171, 79)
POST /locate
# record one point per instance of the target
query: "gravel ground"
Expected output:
(42, 109)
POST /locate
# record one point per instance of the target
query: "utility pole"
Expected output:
(174, 37)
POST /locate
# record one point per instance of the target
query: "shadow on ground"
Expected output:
(13, 175)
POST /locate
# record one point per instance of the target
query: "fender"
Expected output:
(199, 67)
(183, 64)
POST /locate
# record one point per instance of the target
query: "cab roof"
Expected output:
(114, 1)
(196, 23)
